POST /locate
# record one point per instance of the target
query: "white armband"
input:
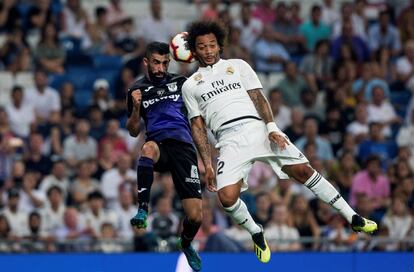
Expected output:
(272, 127)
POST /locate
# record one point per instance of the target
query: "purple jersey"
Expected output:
(162, 108)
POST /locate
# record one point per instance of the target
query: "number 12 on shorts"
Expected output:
(220, 165)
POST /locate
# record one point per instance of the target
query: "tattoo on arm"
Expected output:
(199, 132)
(261, 104)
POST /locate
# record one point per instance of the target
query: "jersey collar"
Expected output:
(211, 67)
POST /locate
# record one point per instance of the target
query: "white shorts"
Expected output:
(244, 143)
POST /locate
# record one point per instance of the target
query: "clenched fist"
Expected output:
(136, 98)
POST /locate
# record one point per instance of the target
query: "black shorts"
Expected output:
(180, 159)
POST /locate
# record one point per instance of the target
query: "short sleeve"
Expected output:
(129, 103)
(249, 77)
(190, 102)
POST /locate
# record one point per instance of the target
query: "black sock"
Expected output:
(145, 177)
(189, 231)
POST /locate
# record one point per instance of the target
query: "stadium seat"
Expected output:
(56, 80)
(107, 62)
(25, 79)
(400, 100)
(83, 98)
(81, 77)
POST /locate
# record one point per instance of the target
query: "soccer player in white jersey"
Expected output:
(226, 96)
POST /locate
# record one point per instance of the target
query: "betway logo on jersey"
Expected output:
(219, 87)
(149, 102)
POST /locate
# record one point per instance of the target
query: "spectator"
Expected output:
(163, 222)
(281, 236)
(83, 185)
(73, 229)
(384, 34)
(270, 55)
(329, 14)
(376, 144)
(292, 85)
(80, 146)
(302, 218)
(404, 136)
(338, 236)
(287, 30)
(95, 216)
(101, 96)
(30, 197)
(354, 40)
(311, 105)
(40, 14)
(50, 55)
(349, 16)
(295, 130)
(333, 129)
(250, 27)
(5, 233)
(207, 229)
(371, 78)
(113, 141)
(125, 210)
(15, 51)
(114, 13)
(371, 182)
(317, 67)
(17, 218)
(155, 27)
(46, 100)
(398, 221)
(37, 236)
(53, 211)
(405, 64)
(98, 32)
(116, 178)
(265, 12)
(263, 209)
(314, 29)
(75, 22)
(107, 241)
(381, 111)
(67, 96)
(10, 16)
(359, 128)
(295, 13)
(211, 12)
(323, 147)
(57, 178)
(21, 116)
(235, 50)
(98, 124)
(35, 160)
(281, 113)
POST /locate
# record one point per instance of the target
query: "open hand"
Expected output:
(210, 178)
(280, 139)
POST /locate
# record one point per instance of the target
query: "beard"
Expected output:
(156, 77)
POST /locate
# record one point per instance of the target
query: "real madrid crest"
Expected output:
(198, 77)
(172, 87)
(230, 70)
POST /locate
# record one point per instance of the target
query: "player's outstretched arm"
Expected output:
(199, 132)
(134, 118)
(263, 108)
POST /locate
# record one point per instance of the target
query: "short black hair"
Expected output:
(158, 48)
(99, 11)
(201, 28)
(16, 88)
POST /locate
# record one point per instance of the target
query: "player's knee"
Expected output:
(227, 198)
(303, 172)
(195, 217)
(150, 150)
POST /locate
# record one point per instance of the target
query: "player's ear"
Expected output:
(146, 61)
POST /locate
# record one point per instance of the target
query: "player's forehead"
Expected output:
(206, 39)
(160, 58)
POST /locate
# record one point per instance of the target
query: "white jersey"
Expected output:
(218, 93)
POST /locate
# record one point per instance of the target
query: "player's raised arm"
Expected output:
(134, 98)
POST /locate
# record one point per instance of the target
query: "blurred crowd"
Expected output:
(339, 79)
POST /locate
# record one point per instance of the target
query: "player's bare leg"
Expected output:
(230, 200)
(324, 190)
(150, 154)
(191, 224)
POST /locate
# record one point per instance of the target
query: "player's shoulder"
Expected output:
(192, 81)
(176, 77)
(238, 62)
(138, 84)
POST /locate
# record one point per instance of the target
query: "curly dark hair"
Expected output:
(201, 28)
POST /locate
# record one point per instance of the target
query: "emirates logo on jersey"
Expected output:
(219, 87)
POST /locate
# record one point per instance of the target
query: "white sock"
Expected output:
(241, 216)
(324, 190)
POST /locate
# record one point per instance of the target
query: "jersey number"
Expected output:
(220, 165)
